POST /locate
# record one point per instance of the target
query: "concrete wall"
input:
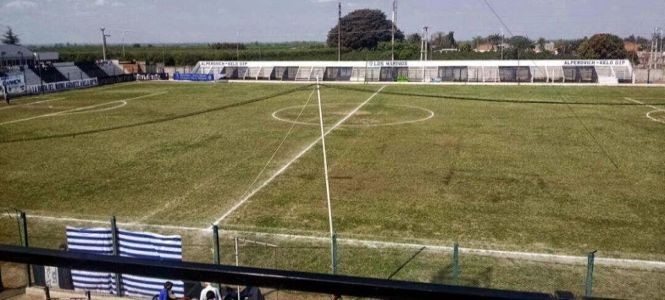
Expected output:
(654, 76)
(172, 70)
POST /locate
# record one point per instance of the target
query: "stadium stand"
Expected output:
(110, 68)
(48, 73)
(30, 76)
(516, 71)
(70, 71)
(91, 69)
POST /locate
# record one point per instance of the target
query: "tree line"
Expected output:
(366, 34)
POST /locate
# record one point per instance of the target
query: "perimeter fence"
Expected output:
(583, 275)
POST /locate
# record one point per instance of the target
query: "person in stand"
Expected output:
(166, 293)
(210, 295)
(209, 288)
(5, 92)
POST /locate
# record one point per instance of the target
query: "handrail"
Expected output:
(269, 278)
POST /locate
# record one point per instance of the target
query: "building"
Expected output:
(489, 47)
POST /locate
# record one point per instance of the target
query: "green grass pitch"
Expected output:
(510, 175)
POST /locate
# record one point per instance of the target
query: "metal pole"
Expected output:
(392, 40)
(456, 264)
(339, 31)
(215, 244)
(501, 46)
(26, 243)
(123, 44)
(325, 171)
(216, 258)
(235, 240)
(588, 291)
(104, 36)
(334, 254)
(116, 252)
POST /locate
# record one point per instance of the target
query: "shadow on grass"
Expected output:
(481, 278)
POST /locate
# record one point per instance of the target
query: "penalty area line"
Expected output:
(281, 170)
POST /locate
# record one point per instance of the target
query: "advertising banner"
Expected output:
(14, 83)
(193, 77)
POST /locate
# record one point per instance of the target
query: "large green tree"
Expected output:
(520, 42)
(363, 28)
(10, 38)
(602, 46)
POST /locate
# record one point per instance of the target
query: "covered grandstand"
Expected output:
(488, 71)
(23, 71)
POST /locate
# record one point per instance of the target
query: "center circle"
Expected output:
(369, 115)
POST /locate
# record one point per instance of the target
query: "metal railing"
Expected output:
(266, 278)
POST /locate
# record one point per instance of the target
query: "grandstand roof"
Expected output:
(14, 52)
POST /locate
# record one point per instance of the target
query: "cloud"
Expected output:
(20, 4)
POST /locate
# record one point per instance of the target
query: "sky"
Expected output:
(203, 21)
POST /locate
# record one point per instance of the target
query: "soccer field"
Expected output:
(551, 169)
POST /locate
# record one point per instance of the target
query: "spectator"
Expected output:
(210, 295)
(5, 92)
(209, 288)
(166, 293)
(65, 274)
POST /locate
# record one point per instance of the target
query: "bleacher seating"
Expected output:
(48, 74)
(91, 69)
(111, 69)
(71, 71)
(30, 76)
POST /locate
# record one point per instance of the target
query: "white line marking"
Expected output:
(120, 104)
(79, 109)
(656, 119)
(648, 115)
(527, 256)
(31, 103)
(430, 114)
(294, 159)
(128, 224)
(640, 102)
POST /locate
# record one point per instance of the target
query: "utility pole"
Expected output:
(104, 36)
(501, 45)
(392, 43)
(424, 44)
(339, 31)
(123, 44)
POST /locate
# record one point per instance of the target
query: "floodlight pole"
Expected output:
(339, 31)
(104, 36)
(325, 172)
(392, 40)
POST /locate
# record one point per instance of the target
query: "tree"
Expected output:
(495, 40)
(541, 44)
(10, 38)
(602, 46)
(477, 40)
(363, 28)
(442, 41)
(465, 47)
(414, 38)
(520, 42)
